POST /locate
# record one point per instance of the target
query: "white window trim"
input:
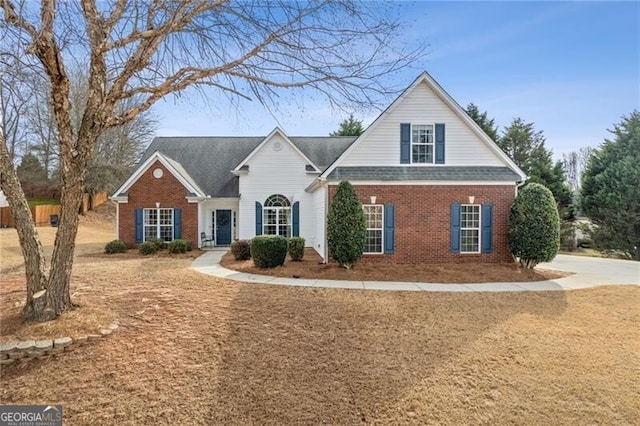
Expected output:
(157, 225)
(277, 210)
(433, 144)
(376, 229)
(479, 228)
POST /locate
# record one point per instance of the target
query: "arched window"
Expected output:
(277, 216)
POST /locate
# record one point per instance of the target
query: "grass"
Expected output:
(195, 349)
(43, 201)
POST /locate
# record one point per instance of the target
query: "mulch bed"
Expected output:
(311, 267)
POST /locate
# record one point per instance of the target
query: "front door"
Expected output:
(223, 227)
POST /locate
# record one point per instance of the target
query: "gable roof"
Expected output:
(209, 160)
(426, 78)
(174, 167)
(274, 132)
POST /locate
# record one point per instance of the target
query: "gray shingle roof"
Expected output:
(455, 173)
(209, 160)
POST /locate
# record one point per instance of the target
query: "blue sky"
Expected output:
(572, 68)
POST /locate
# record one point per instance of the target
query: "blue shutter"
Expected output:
(440, 143)
(139, 221)
(405, 143)
(389, 228)
(487, 232)
(177, 224)
(258, 218)
(296, 219)
(455, 227)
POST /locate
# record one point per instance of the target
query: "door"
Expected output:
(223, 227)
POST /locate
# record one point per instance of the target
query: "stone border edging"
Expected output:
(26, 350)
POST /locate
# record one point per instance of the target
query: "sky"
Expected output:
(572, 68)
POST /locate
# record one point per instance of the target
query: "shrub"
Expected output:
(115, 246)
(268, 251)
(241, 249)
(346, 227)
(177, 246)
(157, 242)
(534, 227)
(296, 248)
(147, 248)
(189, 245)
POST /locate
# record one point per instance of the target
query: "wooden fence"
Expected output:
(42, 214)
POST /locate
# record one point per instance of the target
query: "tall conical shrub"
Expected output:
(346, 226)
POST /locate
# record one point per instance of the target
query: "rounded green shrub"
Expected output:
(534, 226)
(158, 242)
(296, 248)
(189, 245)
(115, 246)
(177, 246)
(268, 251)
(147, 248)
(346, 226)
(241, 249)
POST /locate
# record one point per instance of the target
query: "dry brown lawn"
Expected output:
(194, 349)
(311, 266)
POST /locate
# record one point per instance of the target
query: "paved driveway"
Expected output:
(595, 270)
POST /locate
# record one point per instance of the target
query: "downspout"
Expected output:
(117, 218)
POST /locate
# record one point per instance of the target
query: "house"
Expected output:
(3, 200)
(434, 186)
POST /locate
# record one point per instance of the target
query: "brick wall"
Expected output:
(148, 190)
(422, 227)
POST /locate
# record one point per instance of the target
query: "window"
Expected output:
(277, 216)
(470, 228)
(422, 147)
(373, 214)
(158, 223)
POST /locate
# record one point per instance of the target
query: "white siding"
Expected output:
(205, 218)
(276, 172)
(319, 205)
(421, 106)
(3, 200)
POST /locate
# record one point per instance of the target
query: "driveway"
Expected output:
(596, 270)
(587, 272)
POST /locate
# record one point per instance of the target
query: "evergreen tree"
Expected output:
(349, 127)
(610, 194)
(31, 171)
(526, 147)
(486, 124)
(534, 226)
(346, 226)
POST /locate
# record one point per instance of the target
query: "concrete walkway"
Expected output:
(589, 272)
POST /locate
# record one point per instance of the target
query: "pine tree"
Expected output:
(349, 127)
(486, 124)
(610, 194)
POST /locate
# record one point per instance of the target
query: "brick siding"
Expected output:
(422, 225)
(148, 190)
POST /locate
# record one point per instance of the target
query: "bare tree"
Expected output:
(145, 50)
(575, 163)
(14, 104)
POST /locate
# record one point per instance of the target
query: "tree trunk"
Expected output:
(27, 233)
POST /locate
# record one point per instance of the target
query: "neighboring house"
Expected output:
(3, 200)
(434, 186)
